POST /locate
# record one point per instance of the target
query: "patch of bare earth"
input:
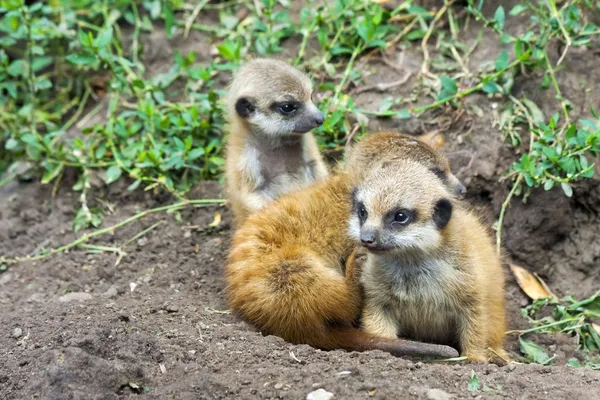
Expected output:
(77, 326)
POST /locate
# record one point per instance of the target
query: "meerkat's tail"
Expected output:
(353, 339)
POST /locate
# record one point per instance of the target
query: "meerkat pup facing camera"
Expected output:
(270, 149)
(432, 273)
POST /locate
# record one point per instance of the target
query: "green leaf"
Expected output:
(499, 17)
(546, 81)
(195, 154)
(568, 189)
(84, 39)
(16, 68)
(583, 162)
(134, 185)
(474, 385)
(533, 352)
(502, 61)
(574, 363)
(386, 104)
(449, 87)
(491, 88)
(366, 30)
(11, 88)
(11, 144)
(518, 9)
(404, 114)
(81, 58)
(548, 185)
(113, 173)
(169, 19)
(229, 50)
(536, 114)
(104, 38)
(40, 63)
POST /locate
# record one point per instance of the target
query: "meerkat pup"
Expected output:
(270, 150)
(290, 269)
(432, 273)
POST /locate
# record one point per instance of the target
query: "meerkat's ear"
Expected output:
(245, 107)
(442, 213)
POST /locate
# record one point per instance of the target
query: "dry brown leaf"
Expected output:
(434, 139)
(529, 283)
(216, 221)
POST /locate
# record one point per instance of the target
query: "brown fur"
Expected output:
(265, 155)
(285, 269)
(435, 284)
(386, 147)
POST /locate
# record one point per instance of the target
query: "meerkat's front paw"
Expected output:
(477, 356)
(360, 258)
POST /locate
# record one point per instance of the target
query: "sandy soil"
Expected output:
(76, 326)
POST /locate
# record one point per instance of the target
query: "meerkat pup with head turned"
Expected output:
(432, 273)
(291, 272)
(270, 150)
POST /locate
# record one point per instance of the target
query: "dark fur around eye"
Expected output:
(399, 218)
(288, 108)
(439, 173)
(244, 107)
(442, 213)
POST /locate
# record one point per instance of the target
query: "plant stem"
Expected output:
(459, 95)
(505, 205)
(537, 328)
(557, 88)
(83, 239)
(359, 49)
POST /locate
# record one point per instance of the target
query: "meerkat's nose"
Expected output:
(367, 238)
(319, 119)
(461, 191)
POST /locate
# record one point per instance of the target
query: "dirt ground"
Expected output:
(75, 326)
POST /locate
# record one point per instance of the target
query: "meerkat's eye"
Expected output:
(362, 213)
(402, 217)
(287, 108)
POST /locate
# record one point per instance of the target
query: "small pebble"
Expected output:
(111, 292)
(278, 386)
(170, 308)
(17, 333)
(320, 394)
(74, 296)
(438, 394)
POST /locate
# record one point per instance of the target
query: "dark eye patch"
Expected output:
(400, 217)
(286, 108)
(358, 207)
(439, 173)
